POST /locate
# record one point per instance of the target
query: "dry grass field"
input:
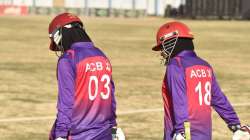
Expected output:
(28, 86)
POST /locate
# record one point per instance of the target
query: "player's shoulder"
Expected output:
(174, 65)
(90, 51)
(67, 57)
(175, 62)
(205, 62)
(183, 63)
(100, 53)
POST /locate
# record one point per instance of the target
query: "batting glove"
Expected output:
(242, 134)
(117, 134)
(179, 136)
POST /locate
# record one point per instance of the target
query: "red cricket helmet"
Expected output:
(169, 30)
(58, 22)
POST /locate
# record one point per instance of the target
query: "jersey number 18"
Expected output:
(207, 95)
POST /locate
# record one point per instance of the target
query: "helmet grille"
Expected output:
(168, 45)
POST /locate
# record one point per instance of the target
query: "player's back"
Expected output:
(198, 76)
(94, 104)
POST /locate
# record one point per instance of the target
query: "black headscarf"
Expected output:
(72, 35)
(181, 45)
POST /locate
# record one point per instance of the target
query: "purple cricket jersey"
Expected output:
(189, 91)
(86, 102)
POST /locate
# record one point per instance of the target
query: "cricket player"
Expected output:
(190, 89)
(86, 107)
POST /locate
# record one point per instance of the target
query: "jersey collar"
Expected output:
(83, 44)
(187, 53)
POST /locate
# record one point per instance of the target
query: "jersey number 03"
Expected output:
(95, 84)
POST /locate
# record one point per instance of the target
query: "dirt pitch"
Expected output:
(28, 86)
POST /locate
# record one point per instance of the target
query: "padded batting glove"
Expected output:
(117, 134)
(179, 136)
(60, 138)
(242, 134)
